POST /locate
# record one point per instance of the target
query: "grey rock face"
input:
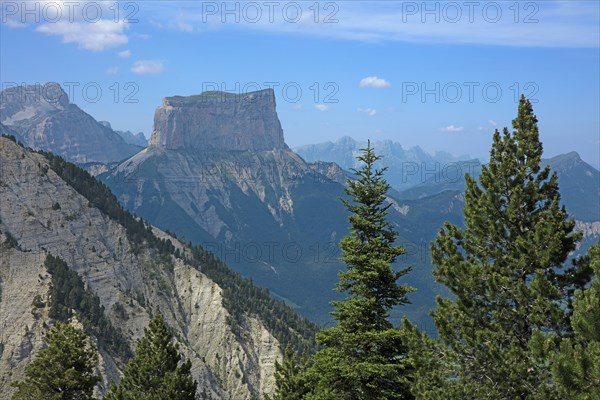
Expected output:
(218, 121)
(44, 119)
(226, 365)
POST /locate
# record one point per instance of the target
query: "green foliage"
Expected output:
(62, 371)
(12, 138)
(240, 296)
(68, 293)
(154, 372)
(364, 356)
(291, 377)
(433, 364)
(505, 272)
(576, 365)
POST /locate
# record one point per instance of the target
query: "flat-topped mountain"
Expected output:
(218, 121)
(44, 118)
(218, 173)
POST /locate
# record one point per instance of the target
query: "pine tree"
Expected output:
(62, 371)
(291, 380)
(576, 365)
(363, 356)
(505, 271)
(154, 372)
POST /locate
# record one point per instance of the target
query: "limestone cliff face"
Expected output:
(218, 173)
(218, 121)
(226, 365)
(217, 163)
(44, 119)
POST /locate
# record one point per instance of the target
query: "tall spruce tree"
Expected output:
(154, 372)
(576, 365)
(62, 371)
(363, 356)
(291, 379)
(505, 272)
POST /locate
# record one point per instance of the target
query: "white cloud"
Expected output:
(322, 107)
(491, 123)
(142, 67)
(369, 111)
(452, 128)
(112, 71)
(14, 23)
(97, 36)
(298, 107)
(374, 82)
(124, 53)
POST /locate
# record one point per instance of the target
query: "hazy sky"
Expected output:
(441, 75)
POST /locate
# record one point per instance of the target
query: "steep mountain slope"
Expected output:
(231, 330)
(406, 167)
(579, 185)
(44, 119)
(218, 172)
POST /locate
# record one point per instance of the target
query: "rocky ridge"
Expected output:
(226, 365)
(45, 119)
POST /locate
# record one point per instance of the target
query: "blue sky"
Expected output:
(441, 75)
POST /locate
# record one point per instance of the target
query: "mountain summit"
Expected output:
(218, 121)
(43, 118)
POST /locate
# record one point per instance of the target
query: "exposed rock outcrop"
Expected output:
(227, 365)
(43, 117)
(218, 173)
(218, 121)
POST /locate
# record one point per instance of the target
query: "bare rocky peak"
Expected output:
(43, 117)
(43, 97)
(219, 121)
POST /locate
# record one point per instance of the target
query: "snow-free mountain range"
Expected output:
(216, 173)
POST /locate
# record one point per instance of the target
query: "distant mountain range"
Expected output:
(416, 174)
(217, 172)
(138, 139)
(579, 185)
(406, 167)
